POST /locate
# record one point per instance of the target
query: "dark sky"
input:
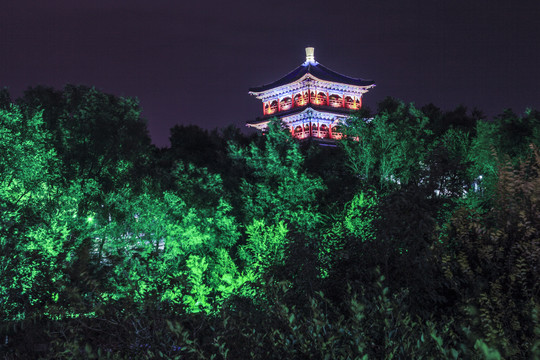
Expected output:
(192, 62)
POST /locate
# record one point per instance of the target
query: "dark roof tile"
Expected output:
(317, 70)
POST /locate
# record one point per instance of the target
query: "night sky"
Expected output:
(192, 62)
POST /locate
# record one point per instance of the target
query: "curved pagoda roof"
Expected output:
(318, 71)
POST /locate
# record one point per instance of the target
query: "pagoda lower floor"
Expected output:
(309, 123)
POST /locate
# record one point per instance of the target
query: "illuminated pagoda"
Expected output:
(311, 100)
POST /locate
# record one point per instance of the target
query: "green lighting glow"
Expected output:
(246, 247)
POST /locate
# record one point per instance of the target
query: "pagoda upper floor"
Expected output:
(311, 84)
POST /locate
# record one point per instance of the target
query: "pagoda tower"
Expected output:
(311, 100)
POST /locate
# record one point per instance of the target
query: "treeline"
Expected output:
(418, 236)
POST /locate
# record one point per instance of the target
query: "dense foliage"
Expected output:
(417, 236)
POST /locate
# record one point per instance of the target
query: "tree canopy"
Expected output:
(416, 236)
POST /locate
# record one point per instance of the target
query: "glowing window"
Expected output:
(286, 103)
(335, 100)
(300, 99)
(273, 107)
(321, 99)
(350, 103)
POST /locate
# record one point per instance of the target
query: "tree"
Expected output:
(507, 138)
(170, 249)
(515, 133)
(97, 136)
(5, 99)
(389, 150)
(277, 187)
(490, 260)
(35, 217)
(192, 144)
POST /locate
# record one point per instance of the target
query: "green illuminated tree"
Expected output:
(389, 150)
(348, 229)
(280, 210)
(102, 147)
(171, 248)
(277, 187)
(266, 245)
(37, 220)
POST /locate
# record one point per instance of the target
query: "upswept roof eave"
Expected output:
(299, 80)
(322, 72)
(299, 110)
(316, 70)
(291, 77)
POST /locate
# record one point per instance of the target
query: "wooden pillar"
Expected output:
(327, 99)
(330, 131)
(278, 104)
